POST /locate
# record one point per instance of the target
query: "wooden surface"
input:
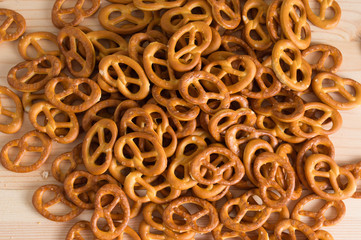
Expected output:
(19, 220)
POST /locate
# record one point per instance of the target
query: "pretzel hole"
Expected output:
(59, 209)
(252, 13)
(12, 29)
(338, 97)
(213, 103)
(254, 35)
(350, 89)
(80, 182)
(288, 111)
(342, 181)
(139, 13)
(284, 66)
(3, 18)
(224, 15)
(69, 4)
(114, 14)
(76, 66)
(204, 221)
(299, 75)
(331, 213)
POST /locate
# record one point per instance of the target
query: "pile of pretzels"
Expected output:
(195, 117)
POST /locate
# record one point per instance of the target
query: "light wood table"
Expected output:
(19, 220)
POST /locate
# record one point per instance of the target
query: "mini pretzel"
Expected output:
(349, 99)
(16, 116)
(224, 158)
(222, 233)
(70, 40)
(155, 153)
(59, 198)
(124, 79)
(186, 15)
(181, 128)
(38, 73)
(131, 24)
(56, 169)
(11, 17)
(233, 44)
(321, 20)
(244, 205)
(92, 157)
(332, 174)
(292, 225)
(263, 41)
(294, 25)
(70, 123)
(80, 187)
(309, 127)
(122, 108)
(193, 82)
(295, 63)
(155, 5)
(176, 208)
(78, 12)
(120, 202)
(327, 51)
(318, 215)
(155, 188)
(323, 235)
(73, 88)
(226, 13)
(24, 144)
(32, 40)
(284, 133)
(273, 20)
(178, 59)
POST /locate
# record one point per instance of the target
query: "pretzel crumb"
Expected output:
(45, 174)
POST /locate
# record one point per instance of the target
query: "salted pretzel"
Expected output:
(80, 187)
(76, 88)
(263, 40)
(320, 220)
(241, 206)
(181, 128)
(294, 24)
(349, 99)
(292, 226)
(273, 20)
(10, 18)
(123, 79)
(226, 13)
(176, 207)
(53, 125)
(155, 188)
(187, 57)
(138, 156)
(56, 167)
(326, 52)
(232, 44)
(331, 173)
(320, 19)
(131, 24)
(26, 145)
(157, 5)
(122, 107)
(78, 12)
(38, 73)
(192, 81)
(116, 221)
(295, 63)
(186, 15)
(117, 44)
(71, 40)
(42, 207)
(16, 116)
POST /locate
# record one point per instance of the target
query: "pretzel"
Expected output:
(228, 71)
(56, 168)
(124, 80)
(243, 206)
(193, 81)
(78, 12)
(38, 73)
(155, 187)
(216, 167)
(331, 174)
(323, 235)
(154, 152)
(25, 145)
(226, 13)
(136, 120)
(292, 226)
(59, 198)
(212, 192)
(294, 24)
(326, 51)
(181, 128)
(222, 233)
(273, 21)
(295, 63)
(70, 40)
(312, 126)
(187, 57)
(284, 133)
(92, 158)
(128, 24)
(176, 207)
(320, 19)
(16, 116)
(52, 126)
(122, 107)
(10, 18)
(348, 100)
(157, 5)
(117, 44)
(119, 201)
(225, 118)
(233, 44)
(319, 217)
(284, 106)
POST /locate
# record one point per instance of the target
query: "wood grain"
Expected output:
(19, 220)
